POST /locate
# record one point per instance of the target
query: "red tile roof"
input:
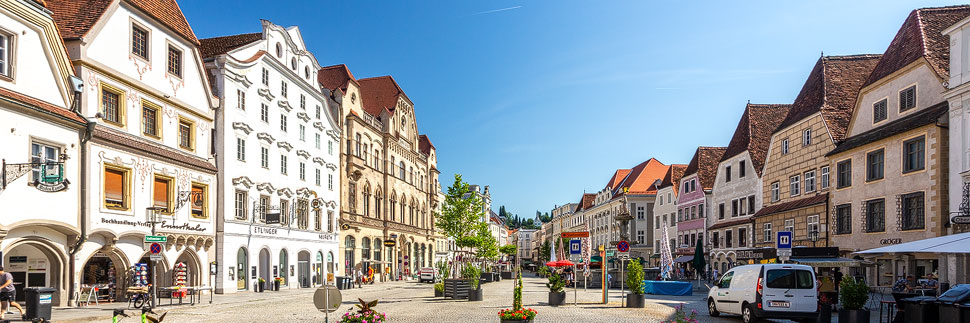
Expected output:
(704, 164)
(586, 201)
(617, 178)
(335, 77)
(753, 133)
(425, 145)
(127, 141)
(673, 175)
(792, 205)
(832, 88)
(75, 18)
(220, 45)
(40, 105)
(379, 93)
(641, 178)
(921, 36)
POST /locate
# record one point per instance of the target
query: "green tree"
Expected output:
(461, 215)
(544, 251)
(508, 250)
(487, 246)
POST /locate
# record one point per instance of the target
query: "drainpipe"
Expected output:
(84, 136)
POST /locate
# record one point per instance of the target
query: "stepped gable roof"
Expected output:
(832, 89)
(618, 177)
(912, 121)
(921, 35)
(704, 164)
(641, 178)
(673, 175)
(380, 93)
(335, 77)
(424, 144)
(75, 18)
(753, 133)
(214, 46)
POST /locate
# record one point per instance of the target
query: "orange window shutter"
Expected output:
(114, 185)
(161, 193)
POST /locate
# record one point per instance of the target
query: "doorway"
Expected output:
(303, 261)
(242, 262)
(264, 266)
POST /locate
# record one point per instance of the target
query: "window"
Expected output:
(111, 109)
(789, 279)
(741, 169)
(186, 134)
(306, 72)
(240, 149)
(174, 61)
(824, 178)
(284, 212)
(264, 112)
(302, 132)
(700, 211)
(874, 165)
(794, 185)
(318, 177)
(330, 181)
(316, 140)
(751, 204)
(727, 173)
(263, 207)
(775, 192)
(640, 236)
(43, 153)
(843, 219)
(283, 122)
(330, 148)
(807, 137)
(741, 208)
(693, 185)
(913, 159)
(402, 170)
(139, 41)
(790, 225)
(879, 111)
(810, 181)
(302, 101)
(162, 194)
(876, 215)
(283, 89)
(912, 217)
(734, 208)
(907, 98)
(265, 76)
(6, 54)
(728, 239)
(116, 188)
(240, 99)
(767, 232)
(656, 222)
(715, 239)
(318, 111)
(725, 281)
(283, 164)
(149, 120)
(742, 237)
(302, 171)
(199, 199)
(720, 211)
(279, 50)
(784, 146)
(293, 63)
(843, 176)
(241, 205)
(264, 157)
(812, 225)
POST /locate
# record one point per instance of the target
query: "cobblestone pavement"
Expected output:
(414, 302)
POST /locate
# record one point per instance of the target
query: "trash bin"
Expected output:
(965, 312)
(921, 309)
(343, 282)
(39, 302)
(949, 303)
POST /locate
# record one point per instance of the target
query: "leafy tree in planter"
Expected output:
(472, 274)
(556, 284)
(634, 277)
(853, 293)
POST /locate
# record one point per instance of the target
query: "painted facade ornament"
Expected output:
(141, 70)
(144, 168)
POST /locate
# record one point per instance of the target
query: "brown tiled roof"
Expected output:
(336, 77)
(641, 178)
(921, 36)
(754, 132)
(792, 205)
(424, 144)
(586, 201)
(920, 118)
(40, 105)
(618, 176)
(673, 175)
(725, 224)
(75, 18)
(704, 163)
(220, 45)
(127, 141)
(379, 93)
(832, 88)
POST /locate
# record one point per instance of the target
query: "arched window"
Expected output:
(283, 266)
(279, 50)
(391, 214)
(377, 159)
(349, 255)
(377, 250)
(403, 169)
(378, 198)
(242, 263)
(306, 72)
(366, 203)
(403, 207)
(293, 63)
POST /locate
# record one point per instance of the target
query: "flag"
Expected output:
(666, 259)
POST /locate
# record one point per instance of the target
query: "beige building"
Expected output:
(891, 171)
(796, 175)
(389, 183)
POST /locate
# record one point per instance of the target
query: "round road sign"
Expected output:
(156, 248)
(622, 246)
(327, 298)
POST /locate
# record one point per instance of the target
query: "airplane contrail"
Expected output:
(495, 10)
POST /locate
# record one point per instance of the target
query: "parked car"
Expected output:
(427, 274)
(766, 291)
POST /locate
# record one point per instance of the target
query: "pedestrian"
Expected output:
(8, 295)
(360, 278)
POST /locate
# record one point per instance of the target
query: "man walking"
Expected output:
(8, 295)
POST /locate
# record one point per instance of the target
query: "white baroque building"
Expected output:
(277, 137)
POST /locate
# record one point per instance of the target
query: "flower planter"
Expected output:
(456, 288)
(557, 298)
(488, 277)
(514, 321)
(276, 286)
(260, 287)
(475, 295)
(635, 300)
(506, 275)
(853, 316)
(439, 293)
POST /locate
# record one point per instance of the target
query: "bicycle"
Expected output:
(119, 314)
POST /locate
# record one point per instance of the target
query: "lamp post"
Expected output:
(813, 236)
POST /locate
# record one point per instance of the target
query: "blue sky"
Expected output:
(545, 99)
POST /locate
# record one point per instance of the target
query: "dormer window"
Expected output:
(879, 111)
(139, 41)
(353, 98)
(306, 72)
(279, 50)
(293, 63)
(174, 61)
(907, 98)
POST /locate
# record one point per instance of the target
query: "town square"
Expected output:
(484, 161)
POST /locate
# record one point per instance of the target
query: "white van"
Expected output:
(783, 291)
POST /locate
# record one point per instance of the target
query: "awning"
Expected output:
(955, 243)
(595, 259)
(828, 262)
(684, 258)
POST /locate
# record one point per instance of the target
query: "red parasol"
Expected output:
(561, 263)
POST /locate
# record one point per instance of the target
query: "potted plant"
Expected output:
(517, 313)
(261, 285)
(509, 251)
(439, 289)
(854, 294)
(365, 313)
(557, 294)
(634, 279)
(472, 274)
(276, 283)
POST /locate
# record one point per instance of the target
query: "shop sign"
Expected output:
(890, 241)
(390, 243)
(755, 254)
(264, 230)
(962, 219)
(164, 225)
(328, 236)
(51, 175)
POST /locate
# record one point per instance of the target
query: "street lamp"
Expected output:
(813, 235)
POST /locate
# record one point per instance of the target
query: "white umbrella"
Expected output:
(955, 243)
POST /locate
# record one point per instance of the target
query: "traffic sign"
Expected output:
(623, 246)
(784, 240)
(155, 248)
(156, 239)
(327, 298)
(609, 252)
(575, 247)
(155, 257)
(623, 255)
